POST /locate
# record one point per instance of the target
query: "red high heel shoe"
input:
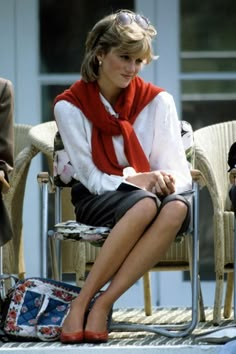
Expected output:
(95, 337)
(73, 337)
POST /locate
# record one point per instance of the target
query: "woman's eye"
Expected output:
(125, 57)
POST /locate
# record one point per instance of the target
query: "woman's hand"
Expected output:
(165, 183)
(158, 182)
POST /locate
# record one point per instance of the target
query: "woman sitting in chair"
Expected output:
(123, 139)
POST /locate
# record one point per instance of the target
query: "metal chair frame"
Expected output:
(175, 330)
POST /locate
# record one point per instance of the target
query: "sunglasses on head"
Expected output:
(125, 18)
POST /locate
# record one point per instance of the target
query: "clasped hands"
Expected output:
(157, 182)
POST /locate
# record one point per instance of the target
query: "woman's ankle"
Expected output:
(97, 318)
(74, 321)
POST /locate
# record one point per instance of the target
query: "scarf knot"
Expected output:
(130, 103)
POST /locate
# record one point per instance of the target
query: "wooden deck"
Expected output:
(133, 342)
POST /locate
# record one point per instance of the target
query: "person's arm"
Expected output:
(6, 131)
(75, 131)
(159, 131)
(168, 153)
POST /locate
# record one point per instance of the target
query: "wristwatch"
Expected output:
(128, 171)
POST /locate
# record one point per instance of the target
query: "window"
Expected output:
(63, 29)
(208, 85)
(208, 65)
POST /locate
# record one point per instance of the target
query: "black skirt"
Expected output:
(108, 208)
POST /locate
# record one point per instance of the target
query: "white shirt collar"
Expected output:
(108, 106)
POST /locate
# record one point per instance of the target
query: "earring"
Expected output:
(100, 63)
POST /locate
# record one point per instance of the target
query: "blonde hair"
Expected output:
(130, 39)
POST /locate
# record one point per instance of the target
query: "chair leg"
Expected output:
(53, 257)
(201, 311)
(80, 263)
(147, 294)
(229, 295)
(218, 299)
(43, 180)
(202, 316)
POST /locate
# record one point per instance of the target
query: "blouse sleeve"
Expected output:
(75, 131)
(168, 153)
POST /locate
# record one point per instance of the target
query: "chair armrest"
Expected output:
(198, 177)
(45, 178)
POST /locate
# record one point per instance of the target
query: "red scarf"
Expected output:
(130, 103)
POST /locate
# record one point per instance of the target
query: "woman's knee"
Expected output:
(175, 212)
(145, 209)
(149, 205)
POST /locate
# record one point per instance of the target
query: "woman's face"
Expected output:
(117, 70)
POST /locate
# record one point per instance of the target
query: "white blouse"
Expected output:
(157, 128)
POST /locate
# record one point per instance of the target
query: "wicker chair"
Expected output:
(73, 255)
(79, 256)
(13, 257)
(212, 144)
